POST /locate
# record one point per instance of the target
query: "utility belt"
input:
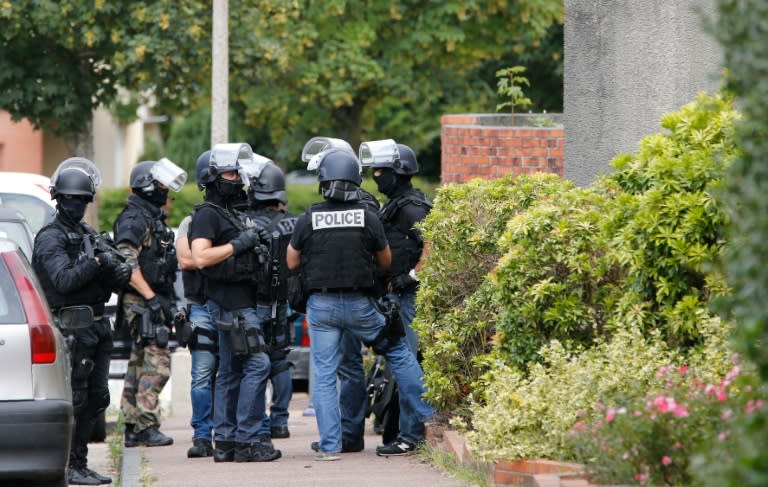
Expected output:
(335, 290)
(244, 341)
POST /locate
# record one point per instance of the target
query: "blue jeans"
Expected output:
(203, 374)
(280, 371)
(240, 383)
(329, 315)
(411, 429)
(352, 386)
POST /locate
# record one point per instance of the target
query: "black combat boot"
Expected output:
(280, 431)
(153, 437)
(224, 452)
(256, 452)
(81, 476)
(131, 438)
(200, 448)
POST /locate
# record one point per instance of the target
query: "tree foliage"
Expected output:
(60, 60)
(359, 70)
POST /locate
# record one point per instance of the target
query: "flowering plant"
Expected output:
(649, 440)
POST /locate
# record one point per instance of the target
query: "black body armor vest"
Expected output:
(406, 245)
(335, 255)
(94, 293)
(157, 261)
(271, 285)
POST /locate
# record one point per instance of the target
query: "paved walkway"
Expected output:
(170, 467)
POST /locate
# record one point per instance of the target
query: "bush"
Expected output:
(650, 439)
(456, 308)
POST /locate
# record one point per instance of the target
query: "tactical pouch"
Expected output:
(162, 335)
(394, 327)
(244, 341)
(184, 334)
(147, 328)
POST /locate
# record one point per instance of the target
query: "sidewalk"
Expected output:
(170, 467)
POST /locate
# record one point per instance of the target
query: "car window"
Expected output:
(11, 311)
(37, 212)
(18, 233)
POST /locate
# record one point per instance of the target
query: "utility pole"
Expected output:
(220, 74)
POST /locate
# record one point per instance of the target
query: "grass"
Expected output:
(115, 442)
(472, 473)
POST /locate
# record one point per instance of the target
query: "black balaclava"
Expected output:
(228, 189)
(387, 182)
(159, 196)
(72, 209)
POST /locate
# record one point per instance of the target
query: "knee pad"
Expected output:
(98, 401)
(79, 400)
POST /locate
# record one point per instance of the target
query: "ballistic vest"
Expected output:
(405, 244)
(335, 255)
(272, 284)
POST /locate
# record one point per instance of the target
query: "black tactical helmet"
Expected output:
(141, 175)
(202, 167)
(339, 165)
(405, 165)
(269, 185)
(75, 176)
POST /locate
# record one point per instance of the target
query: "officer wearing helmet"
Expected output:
(76, 267)
(267, 200)
(338, 244)
(198, 334)
(148, 303)
(231, 257)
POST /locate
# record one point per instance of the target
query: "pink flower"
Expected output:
(721, 395)
(726, 415)
(677, 445)
(682, 370)
(641, 477)
(723, 436)
(610, 414)
(754, 405)
(665, 460)
(625, 456)
(680, 411)
(579, 426)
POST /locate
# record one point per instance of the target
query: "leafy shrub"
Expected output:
(532, 415)
(456, 312)
(668, 227)
(650, 439)
(556, 279)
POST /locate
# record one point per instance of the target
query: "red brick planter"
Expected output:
(493, 145)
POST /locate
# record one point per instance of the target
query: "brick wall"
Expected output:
(491, 145)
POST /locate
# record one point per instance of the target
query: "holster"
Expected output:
(244, 341)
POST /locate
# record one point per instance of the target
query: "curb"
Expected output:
(130, 468)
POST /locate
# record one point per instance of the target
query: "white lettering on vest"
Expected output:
(338, 219)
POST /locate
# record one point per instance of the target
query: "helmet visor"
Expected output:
(78, 164)
(229, 157)
(317, 145)
(378, 152)
(252, 169)
(166, 172)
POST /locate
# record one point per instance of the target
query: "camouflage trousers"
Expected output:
(149, 369)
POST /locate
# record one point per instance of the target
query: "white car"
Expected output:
(29, 194)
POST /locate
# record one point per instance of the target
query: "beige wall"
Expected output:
(21, 146)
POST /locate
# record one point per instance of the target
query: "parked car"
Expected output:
(35, 392)
(30, 194)
(299, 353)
(14, 226)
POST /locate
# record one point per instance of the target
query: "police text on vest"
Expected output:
(338, 219)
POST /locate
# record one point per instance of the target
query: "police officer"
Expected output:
(198, 334)
(405, 207)
(338, 243)
(267, 201)
(75, 270)
(225, 250)
(148, 304)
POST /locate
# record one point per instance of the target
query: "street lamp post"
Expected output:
(220, 74)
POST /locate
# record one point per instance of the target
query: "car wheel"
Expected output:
(99, 432)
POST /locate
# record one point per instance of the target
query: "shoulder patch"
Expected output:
(338, 219)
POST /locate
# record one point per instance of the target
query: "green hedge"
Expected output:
(516, 263)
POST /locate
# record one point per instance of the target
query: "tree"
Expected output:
(60, 60)
(356, 69)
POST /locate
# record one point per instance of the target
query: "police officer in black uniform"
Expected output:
(267, 200)
(338, 243)
(75, 270)
(230, 257)
(405, 207)
(148, 304)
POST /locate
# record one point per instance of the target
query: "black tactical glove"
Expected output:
(121, 275)
(155, 309)
(168, 307)
(107, 261)
(247, 240)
